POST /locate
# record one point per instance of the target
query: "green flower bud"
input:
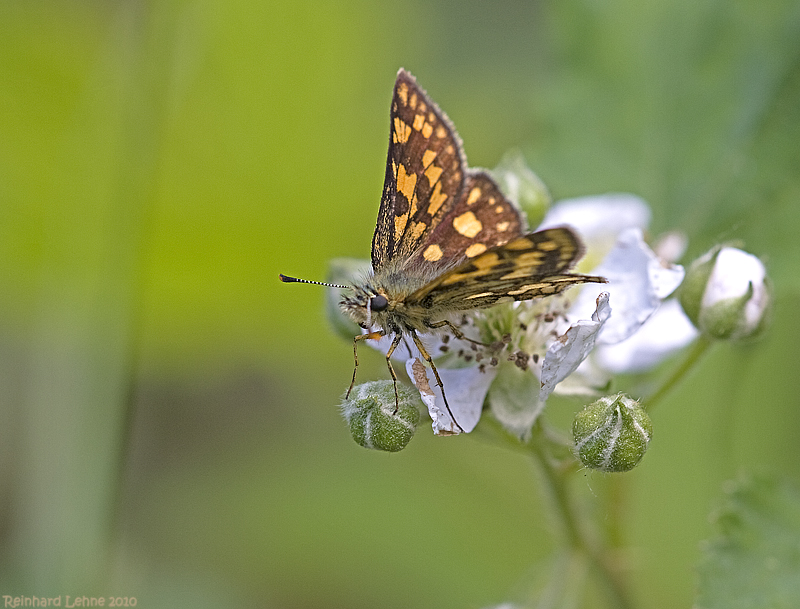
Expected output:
(727, 295)
(612, 434)
(376, 420)
(520, 185)
(343, 271)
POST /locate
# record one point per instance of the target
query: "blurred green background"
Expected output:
(168, 419)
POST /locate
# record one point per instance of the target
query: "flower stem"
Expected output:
(576, 539)
(697, 351)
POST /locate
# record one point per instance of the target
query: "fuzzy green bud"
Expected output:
(377, 420)
(726, 294)
(612, 434)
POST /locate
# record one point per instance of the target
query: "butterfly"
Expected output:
(447, 241)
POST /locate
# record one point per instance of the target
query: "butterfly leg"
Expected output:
(456, 332)
(429, 359)
(370, 335)
(395, 342)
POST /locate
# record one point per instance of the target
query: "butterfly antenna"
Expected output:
(287, 279)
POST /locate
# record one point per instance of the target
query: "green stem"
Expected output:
(697, 351)
(563, 508)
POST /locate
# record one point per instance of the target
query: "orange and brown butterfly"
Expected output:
(447, 240)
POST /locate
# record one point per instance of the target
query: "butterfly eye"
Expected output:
(378, 303)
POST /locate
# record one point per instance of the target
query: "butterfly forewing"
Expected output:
(530, 266)
(424, 173)
(481, 219)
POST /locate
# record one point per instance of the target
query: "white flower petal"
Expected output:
(600, 219)
(638, 281)
(466, 390)
(666, 332)
(733, 271)
(514, 399)
(567, 352)
(671, 246)
(664, 280)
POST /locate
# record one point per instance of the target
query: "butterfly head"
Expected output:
(367, 306)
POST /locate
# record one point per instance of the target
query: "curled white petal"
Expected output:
(666, 332)
(638, 280)
(567, 352)
(466, 390)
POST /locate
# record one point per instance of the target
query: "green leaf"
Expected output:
(755, 560)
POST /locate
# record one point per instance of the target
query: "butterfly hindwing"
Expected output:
(482, 219)
(530, 266)
(424, 173)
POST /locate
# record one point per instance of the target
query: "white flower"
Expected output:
(572, 341)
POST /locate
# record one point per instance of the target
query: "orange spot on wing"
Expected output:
(400, 224)
(529, 259)
(406, 183)
(523, 243)
(417, 229)
(402, 93)
(433, 173)
(474, 195)
(474, 250)
(433, 253)
(436, 199)
(486, 261)
(467, 224)
(401, 131)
